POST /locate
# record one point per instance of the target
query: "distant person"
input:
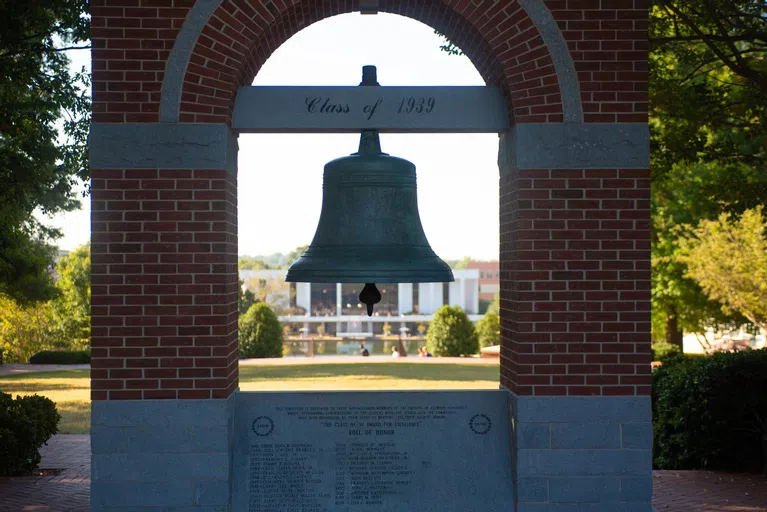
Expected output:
(394, 352)
(363, 351)
(423, 352)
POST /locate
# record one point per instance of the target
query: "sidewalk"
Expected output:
(675, 491)
(68, 491)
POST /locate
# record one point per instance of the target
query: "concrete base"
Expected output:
(569, 454)
(161, 455)
(582, 454)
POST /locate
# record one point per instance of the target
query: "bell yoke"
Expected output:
(369, 229)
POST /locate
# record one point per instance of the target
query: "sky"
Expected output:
(280, 176)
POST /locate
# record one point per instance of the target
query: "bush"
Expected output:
(711, 412)
(26, 423)
(61, 357)
(662, 350)
(489, 330)
(260, 332)
(451, 333)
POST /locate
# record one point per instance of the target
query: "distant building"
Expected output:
(489, 278)
(336, 305)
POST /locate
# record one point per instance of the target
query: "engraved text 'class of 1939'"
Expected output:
(412, 105)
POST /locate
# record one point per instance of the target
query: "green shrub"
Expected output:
(663, 350)
(711, 412)
(260, 332)
(61, 357)
(489, 330)
(26, 423)
(451, 333)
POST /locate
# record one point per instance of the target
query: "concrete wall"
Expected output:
(583, 453)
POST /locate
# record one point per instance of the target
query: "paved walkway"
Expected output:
(67, 492)
(675, 491)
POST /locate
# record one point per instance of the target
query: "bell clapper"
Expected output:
(370, 296)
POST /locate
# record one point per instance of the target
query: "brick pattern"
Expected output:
(164, 284)
(575, 282)
(132, 40)
(608, 42)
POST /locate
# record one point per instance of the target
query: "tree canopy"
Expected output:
(727, 257)
(72, 308)
(44, 118)
(709, 139)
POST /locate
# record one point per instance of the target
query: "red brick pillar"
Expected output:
(575, 292)
(164, 284)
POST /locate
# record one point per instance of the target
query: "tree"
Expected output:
(25, 329)
(451, 333)
(44, 119)
(489, 330)
(72, 308)
(728, 259)
(252, 263)
(260, 332)
(245, 298)
(495, 305)
(708, 132)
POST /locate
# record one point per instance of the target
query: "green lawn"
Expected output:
(71, 389)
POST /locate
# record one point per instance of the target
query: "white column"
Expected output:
(404, 298)
(339, 307)
(429, 297)
(304, 296)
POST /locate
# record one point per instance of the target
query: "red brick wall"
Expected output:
(164, 284)
(575, 282)
(608, 43)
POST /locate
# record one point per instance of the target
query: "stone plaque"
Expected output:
(465, 109)
(441, 451)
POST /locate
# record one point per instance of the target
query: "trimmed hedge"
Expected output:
(451, 333)
(61, 357)
(260, 332)
(711, 412)
(26, 423)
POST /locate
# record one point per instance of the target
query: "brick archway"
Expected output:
(574, 192)
(229, 49)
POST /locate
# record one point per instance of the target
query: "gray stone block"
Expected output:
(159, 413)
(174, 493)
(636, 488)
(637, 435)
(585, 435)
(533, 436)
(147, 467)
(582, 409)
(548, 507)
(189, 439)
(584, 489)
(584, 462)
(533, 490)
(184, 508)
(212, 493)
(615, 507)
(162, 146)
(575, 145)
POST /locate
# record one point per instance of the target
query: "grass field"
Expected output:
(71, 389)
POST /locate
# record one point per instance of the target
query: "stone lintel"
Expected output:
(575, 146)
(162, 146)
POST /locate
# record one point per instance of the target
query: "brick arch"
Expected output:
(515, 45)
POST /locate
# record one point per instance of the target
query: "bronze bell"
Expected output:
(369, 229)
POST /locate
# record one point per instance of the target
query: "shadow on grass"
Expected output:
(399, 370)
